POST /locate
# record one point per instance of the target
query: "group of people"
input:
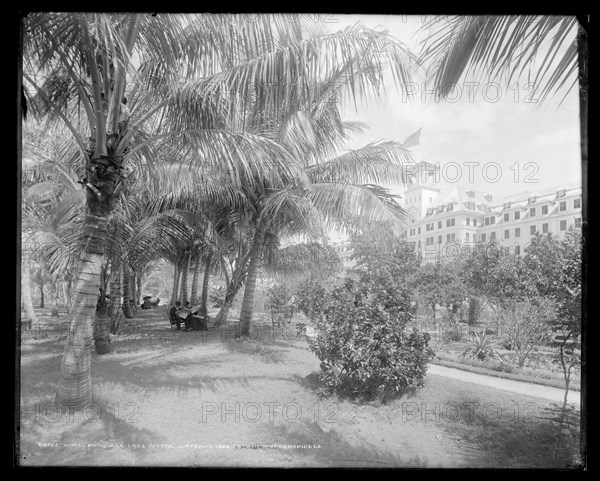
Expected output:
(179, 315)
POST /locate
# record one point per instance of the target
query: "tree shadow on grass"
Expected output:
(501, 429)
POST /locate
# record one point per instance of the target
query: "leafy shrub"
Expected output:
(310, 299)
(216, 296)
(364, 349)
(278, 295)
(452, 329)
(481, 346)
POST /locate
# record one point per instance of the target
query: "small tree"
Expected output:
(525, 326)
(365, 350)
(278, 295)
(310, 299)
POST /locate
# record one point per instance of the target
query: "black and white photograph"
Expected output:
(301, 240)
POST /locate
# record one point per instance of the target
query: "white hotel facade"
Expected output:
(444, 222)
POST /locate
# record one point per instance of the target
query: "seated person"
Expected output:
(196, 323)
(173, 314)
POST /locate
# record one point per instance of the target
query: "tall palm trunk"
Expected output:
(194, 295)
(134, 294)
(102, 324)
(232, 289)
(42, 295)
(184, 279)
(176, 275)
(75, 383)
(204, 299)
(115, 296)
(250, 290)
(127, 312)
(54, 299)
(138, 290)
(26, 292)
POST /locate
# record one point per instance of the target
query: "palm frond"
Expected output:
(345, 205)
(380, 162)
(495, 47)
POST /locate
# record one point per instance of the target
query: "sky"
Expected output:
(517, 146)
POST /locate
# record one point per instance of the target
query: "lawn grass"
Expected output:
(168, 398)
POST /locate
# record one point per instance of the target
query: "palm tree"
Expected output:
(82, 62)
(332, 191)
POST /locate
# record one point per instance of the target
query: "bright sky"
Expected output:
(496, 129)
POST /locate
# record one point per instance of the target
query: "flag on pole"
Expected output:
(413, 139)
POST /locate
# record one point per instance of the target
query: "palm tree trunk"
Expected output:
(184, 280)
(232, 289)
(127, 293)
(101, 326)
(247, 310)
(134, 294)
(194, 295)
(138, 290)
(204, 299)
(54, 299)
(41, 295)
(75, 383)
(176, 274)
(26, 292)
(115, 296)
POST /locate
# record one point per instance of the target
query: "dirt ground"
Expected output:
(168, 398)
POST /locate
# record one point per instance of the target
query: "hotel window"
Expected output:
(419, 230)
(518, 232)
(486, 221)
(467, 236)
(532, 229)
(450, 237)
(563, 206)
(563, 225)
(439, 224)
(544, 228)
(517, 250)
(439, 239)
(506, 217)
(492, 220)
(450, 207)
(468, 221)
(483, 237)
(578, 222)
(492, 235)
(532, 212)
(474, 222)
(544, 209)
(450, 222)
(517, 215)
(577, 204)
(506, 233)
